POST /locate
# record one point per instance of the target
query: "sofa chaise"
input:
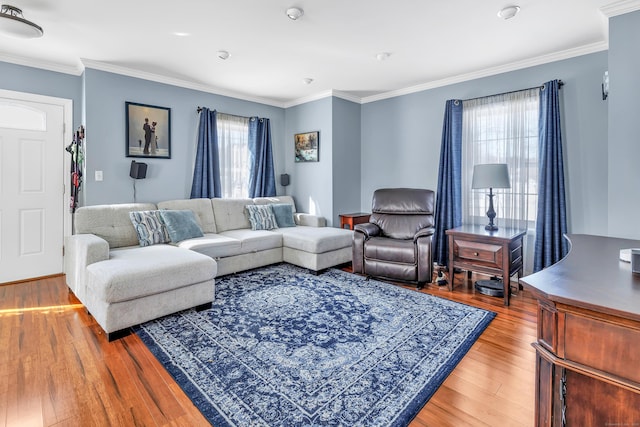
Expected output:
(122, 283)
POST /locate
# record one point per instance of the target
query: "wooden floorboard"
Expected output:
(58, 369)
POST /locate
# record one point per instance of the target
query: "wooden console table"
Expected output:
(498, 253)
(587, 357)
(352, 219)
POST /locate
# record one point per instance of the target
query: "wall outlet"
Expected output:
(98, 175)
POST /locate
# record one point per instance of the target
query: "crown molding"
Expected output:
(41, 64)
(326, 94)
(620, 8)
(347, 96)
(531, 62)
(130, 72)
(610, 10)
(310, 98)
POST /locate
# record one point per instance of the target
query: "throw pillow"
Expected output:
(261, 217)
(181, 224)
(149, 227)
(284, 214)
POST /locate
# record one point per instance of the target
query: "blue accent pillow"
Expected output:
(149, 228)
(261, 217)
(181, 224)
(284, 214)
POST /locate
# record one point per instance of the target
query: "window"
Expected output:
(502, 129)
(233, 149)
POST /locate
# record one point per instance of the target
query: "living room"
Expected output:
(368, 143)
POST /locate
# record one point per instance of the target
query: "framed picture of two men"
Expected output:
(148, 131)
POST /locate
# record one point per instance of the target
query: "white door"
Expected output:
(31, 188)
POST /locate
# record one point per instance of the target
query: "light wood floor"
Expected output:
(57, 369)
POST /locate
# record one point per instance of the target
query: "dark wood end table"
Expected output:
(352, 219)
(497, 253)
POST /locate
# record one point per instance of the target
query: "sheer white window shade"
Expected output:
(233, 149)
(502, 129)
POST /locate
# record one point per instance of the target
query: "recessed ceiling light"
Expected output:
(382, 56)
(307, 80)
(181, 34)
(509, 12)
(294, 13)
(223, 54)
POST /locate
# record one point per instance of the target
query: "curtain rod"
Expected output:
(199, 110)
(560, 84)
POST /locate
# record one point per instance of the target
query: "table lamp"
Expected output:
(491, 175)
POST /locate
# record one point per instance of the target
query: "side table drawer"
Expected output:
(476, 251)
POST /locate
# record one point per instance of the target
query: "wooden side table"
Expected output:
(352, 219)
(498, 253)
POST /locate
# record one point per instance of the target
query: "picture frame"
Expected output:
(148, 131)
(307, 146)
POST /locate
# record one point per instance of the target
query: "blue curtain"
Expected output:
(206, 172)
(262, 181)
(449, 194)
(551, 222)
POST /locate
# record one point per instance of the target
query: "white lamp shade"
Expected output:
(491, 175)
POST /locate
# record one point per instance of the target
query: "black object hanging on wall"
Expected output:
(284, 179)
(138, 170)
(77, 166)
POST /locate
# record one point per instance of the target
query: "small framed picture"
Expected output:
(307, 146)
(148, 131)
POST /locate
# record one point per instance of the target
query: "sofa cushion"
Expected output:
(213, 245)
(230, 214)
(275, 199)
(255, 240)
(201, 207)
(136, 272)
(284, 214)
(261, 217)
(315, 240)
(180, 225)
(149, 227)
(110, 222)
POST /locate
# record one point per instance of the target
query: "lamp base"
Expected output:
(491, 227)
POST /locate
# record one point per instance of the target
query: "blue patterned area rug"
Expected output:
(283, 347)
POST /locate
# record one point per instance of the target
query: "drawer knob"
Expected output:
(476, 254)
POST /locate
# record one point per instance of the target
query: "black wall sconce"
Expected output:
(284, 181)
(138, 170)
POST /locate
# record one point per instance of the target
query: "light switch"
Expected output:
(98, 175)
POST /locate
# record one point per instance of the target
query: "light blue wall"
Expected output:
(388, 143)
(105, 96)
(624, 126)
(42, 82)
(312, 182)
(401, 136)
(346, 157)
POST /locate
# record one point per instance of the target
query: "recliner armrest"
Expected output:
(424, 233)
(368, 229)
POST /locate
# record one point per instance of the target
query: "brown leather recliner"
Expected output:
(396, 242)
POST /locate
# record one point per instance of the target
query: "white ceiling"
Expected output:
(335, 43)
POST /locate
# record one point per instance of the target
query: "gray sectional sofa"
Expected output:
(123, 284)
